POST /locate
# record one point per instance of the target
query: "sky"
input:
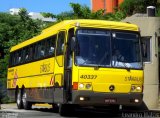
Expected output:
(52, 6)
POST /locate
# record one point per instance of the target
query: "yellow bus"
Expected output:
(78, 63)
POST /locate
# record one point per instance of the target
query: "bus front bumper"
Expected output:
(97, 98)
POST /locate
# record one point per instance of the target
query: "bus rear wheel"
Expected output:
(19, 99)
(26, 104)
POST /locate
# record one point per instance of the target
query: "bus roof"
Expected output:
(82, 23)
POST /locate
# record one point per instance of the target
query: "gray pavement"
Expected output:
(11, 111)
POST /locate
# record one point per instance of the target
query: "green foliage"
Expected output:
(13, 30)
(80, 12)
(130, 7)
(47, 15)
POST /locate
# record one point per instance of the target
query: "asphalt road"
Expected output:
(11, 111)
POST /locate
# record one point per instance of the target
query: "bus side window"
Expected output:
(51, 42)
(19, 56)
(30, 53)
(23, 55)
(14, 59)
(36, 54)
(27, 54)
(60, 43)
(39, 50)
(42, 49)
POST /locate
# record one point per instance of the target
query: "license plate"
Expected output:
(110, 100)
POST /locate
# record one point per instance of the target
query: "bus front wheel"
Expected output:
(19, 99)
(66, 109)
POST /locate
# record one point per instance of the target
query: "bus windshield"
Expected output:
(104, 48)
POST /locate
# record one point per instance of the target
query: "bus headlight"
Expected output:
(88, 86)
(85, 86)
(81, 86)
(133, 88)
(136, 88)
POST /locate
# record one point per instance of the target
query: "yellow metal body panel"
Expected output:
(102, 78)
(35, 74)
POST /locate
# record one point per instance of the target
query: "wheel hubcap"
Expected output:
(18, 98)
(24, 98)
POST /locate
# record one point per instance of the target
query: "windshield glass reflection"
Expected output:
(104, 48)
(93, 48)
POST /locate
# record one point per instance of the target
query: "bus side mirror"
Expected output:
(73, 43)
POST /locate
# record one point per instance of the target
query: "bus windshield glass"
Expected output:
(126, 50)
(104, 48)
(93, 48)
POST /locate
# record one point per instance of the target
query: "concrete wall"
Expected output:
(150, 26)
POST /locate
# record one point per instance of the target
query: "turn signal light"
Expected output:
(75, 85)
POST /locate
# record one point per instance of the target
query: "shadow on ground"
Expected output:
(97, 113)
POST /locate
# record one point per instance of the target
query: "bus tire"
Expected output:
(55, 108)
(19, 99)
(63, 109)
(26, 104)
(66, 109)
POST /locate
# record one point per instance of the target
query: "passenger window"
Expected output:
(19, 56)
(36, 55)
(39, 53)
(42, 50)
(60, 43)
(51, 42)
(23, 55)
(27, 54)
(30, 53)
(14, 58)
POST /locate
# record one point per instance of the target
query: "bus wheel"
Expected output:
(63, 109)
(66, 109)
(26, 104)
(55, 108)
(19, 99)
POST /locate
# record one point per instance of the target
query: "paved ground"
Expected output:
(45, 111)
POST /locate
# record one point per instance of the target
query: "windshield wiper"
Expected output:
(126, 67)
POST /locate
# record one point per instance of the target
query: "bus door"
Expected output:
(68, 67)
(59, 68)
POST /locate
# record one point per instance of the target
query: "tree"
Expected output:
(130, 7)
(47, 15)
(13, 30)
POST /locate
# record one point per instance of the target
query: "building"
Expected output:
(33, 15)
(107, 5)
(150, 34)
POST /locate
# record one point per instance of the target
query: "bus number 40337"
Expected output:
(88, 76)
